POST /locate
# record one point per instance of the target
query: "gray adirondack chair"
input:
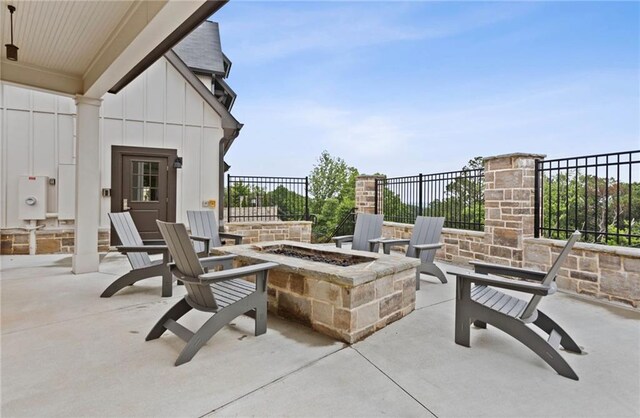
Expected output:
(368, 230)
(205, 233)
(423, 245)
(138, 254)
(223, 293)
(484, 305)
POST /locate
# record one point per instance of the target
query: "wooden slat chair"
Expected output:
(367, 231)
(223, 293)
(205, 233)
(138, 254)
(423, 244)
(484, 305)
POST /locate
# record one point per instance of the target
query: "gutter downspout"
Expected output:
(225, 144)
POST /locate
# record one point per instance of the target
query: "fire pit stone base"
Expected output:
(346, 303)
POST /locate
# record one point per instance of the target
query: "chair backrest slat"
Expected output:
(368, 226)
(187, 263)
(203, 223)
(426, 230)
(550, 278)
(129, 236)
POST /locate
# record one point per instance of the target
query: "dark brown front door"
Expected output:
(143, 183)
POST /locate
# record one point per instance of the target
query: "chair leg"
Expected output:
(208, 330)
(261, 317)
(547, 325)
(521, 332)
(433, 270)
(176, 312)
(134, 276)
(463, 320)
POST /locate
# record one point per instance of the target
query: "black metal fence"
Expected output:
(599, 195)
(456, 195)
(254, 198)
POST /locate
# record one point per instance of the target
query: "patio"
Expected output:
(66, 352)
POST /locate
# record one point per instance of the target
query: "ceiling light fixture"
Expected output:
(12, 50)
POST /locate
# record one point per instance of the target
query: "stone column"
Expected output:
(508, 206)
(85, 252)
(366, 194)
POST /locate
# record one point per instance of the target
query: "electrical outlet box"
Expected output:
(32, 197)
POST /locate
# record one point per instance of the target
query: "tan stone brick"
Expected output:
(588, 264)
(508, 179)
(294, 308)
(384, 287)
(609, 262)
(20, 249)
(587, 288)
(493, 195)
(500, 252)
(21, 239)
(367, 315)
(343, 319)
(632, 265)
(505, 237)
(6, 246)
(617, 284)
(581, 275)
(390, 304)
(278, 279)
(359, 295)
(322, 312)
(499, 164)
(324, 291)
(47, 246)
(297, 283)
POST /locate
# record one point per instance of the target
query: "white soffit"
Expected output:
(85, 47)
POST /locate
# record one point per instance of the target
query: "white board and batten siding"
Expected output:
(157, 110)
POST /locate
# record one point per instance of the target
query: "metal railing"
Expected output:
(456, 195)
(599, 195)
(255, 198)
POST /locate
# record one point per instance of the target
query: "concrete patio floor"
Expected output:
(67, 352)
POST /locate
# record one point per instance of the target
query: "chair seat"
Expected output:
(498, 301)
(231, 291)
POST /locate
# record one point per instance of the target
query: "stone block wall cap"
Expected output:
(515, 155)
(254, 223)
(588, 246)
(370, 176)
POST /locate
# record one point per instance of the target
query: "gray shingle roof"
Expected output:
(201, 50)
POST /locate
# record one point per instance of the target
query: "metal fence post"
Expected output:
(536, 200)
(375, 196)
(306, 198)
(420, 196)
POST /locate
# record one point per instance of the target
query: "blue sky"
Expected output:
(407, 87)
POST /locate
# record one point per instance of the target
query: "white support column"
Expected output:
(85, 253)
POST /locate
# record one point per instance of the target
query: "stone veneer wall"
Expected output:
(605, 272)
(346, 313)
(460, 246)
(271, 231)
(366, 194)
(48, 241)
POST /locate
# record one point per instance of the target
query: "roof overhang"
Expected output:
(109, 43)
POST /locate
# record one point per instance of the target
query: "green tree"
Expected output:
(332, 184)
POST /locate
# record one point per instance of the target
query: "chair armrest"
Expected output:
(199, 238)
(375, 241)
(149, 249)
(236, 273)
(486, 268)
(343, 238)
(153, 242)
(387, 243)
(425, 247)
(235, 237)
(217, 260)
(495, 281)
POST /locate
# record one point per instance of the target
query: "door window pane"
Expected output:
(144, 181)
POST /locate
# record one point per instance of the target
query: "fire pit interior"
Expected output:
(336, 259)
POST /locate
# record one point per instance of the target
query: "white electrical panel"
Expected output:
(32, 197)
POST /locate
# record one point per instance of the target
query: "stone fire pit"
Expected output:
(345, 294)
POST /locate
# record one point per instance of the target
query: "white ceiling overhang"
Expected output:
(92, 47)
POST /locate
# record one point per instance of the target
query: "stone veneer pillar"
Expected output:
(509, 206)
(366, 194)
